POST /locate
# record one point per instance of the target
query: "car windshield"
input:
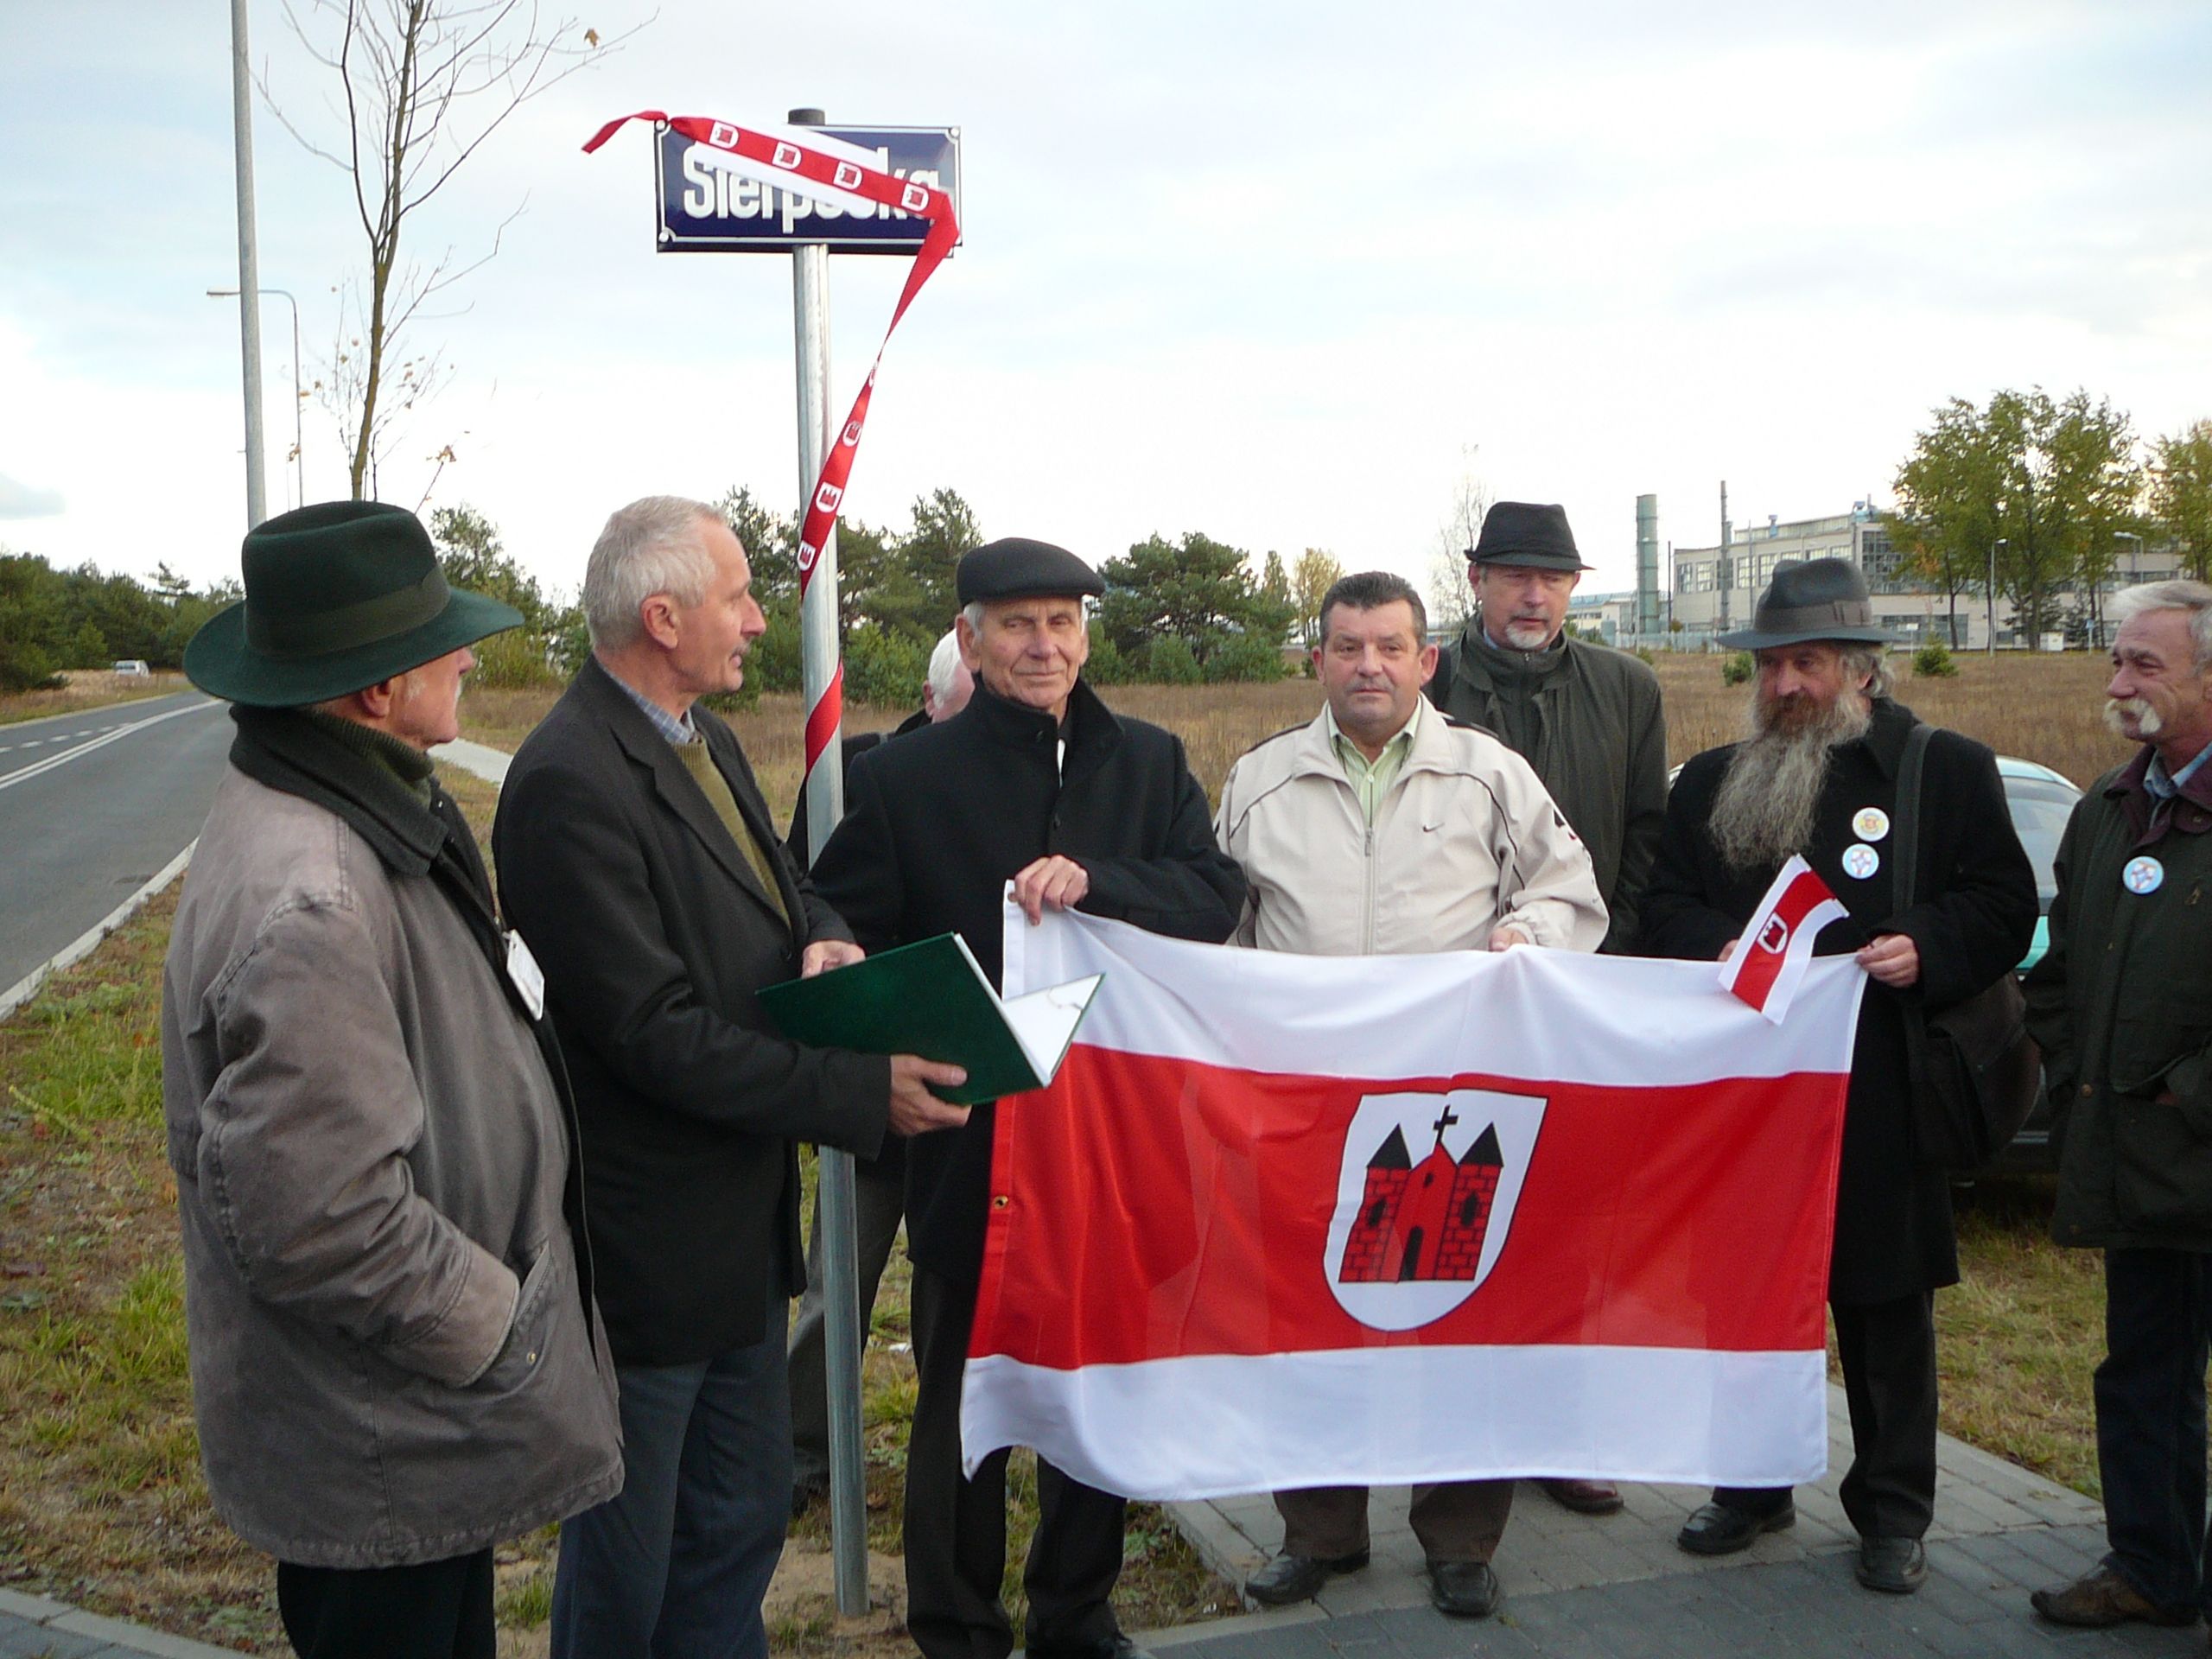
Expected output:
(2040, 810)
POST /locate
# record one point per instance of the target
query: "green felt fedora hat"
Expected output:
(338, 597)
(1812, 599)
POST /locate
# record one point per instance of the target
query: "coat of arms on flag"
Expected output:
(1412, 1236)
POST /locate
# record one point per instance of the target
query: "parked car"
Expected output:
(131, 668)
(2041, 801)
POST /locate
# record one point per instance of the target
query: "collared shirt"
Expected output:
(675, 729)
(1371, 780)
(2164, 787)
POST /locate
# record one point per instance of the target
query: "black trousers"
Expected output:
(956, 1527)
(2151, 1434)
(1888, 1351)
(438, 1610)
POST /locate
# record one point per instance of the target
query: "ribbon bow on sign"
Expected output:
(811, 163)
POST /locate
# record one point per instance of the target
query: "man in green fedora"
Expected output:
(395, 1358)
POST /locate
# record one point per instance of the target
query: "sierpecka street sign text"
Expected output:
(707, 209)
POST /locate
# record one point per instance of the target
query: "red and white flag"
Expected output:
(1288, 1221)
(1769, 961)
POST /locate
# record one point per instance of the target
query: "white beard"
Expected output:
(1767, 804)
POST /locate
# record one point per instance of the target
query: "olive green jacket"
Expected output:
(2122, 1008)
(1600, 749)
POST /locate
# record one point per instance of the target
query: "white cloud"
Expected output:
(1261, 272)
(20, 500)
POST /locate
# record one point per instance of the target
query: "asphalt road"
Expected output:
(90, 806)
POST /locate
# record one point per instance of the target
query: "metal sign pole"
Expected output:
(257, 498)
(826, 805)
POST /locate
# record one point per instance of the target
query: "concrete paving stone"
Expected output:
(35, 1609)
(157, 1644)
(1382, 1584)
(2000, 1554)
(1972, 1595)
(1935, 1632)
(1553, 1629)
(2068, 1552)
(1968, 1507)
(22, 1639)
(1365, 1634)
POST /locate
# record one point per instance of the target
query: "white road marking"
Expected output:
(66, 756)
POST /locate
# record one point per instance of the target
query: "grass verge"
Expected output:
(88, 689)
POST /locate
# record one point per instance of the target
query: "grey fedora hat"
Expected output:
(1812, 599)
(1530, 533)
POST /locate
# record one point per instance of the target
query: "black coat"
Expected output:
(655, 933)
(936, 822)
(1893, 1233)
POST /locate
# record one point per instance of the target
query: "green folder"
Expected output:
(932, 999)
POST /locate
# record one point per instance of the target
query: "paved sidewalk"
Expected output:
(1616, 1586)
(35, 1627)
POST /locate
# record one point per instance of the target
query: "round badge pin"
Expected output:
(1870, 823)
(1861, 861)
(2142, 875)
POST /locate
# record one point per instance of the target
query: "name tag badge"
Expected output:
(2142, 875)
(1861, 861)
(525, 975)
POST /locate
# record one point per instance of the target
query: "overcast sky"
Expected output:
(1274, 272)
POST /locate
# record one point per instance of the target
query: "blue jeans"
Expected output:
(2149, 1393)
(676, 1565)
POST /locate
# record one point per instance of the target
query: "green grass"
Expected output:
(2020, 1335)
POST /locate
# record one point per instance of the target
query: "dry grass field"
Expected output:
(87, 688)
(2041, 709)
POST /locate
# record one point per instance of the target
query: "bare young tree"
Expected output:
(1450, 596)
(424, 83)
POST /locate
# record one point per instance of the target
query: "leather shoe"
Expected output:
(1291, 1578)
(1722, 1529)
(1896, 1566)
(1116, 1646)
(1463, 1589)
(1584, 1497)
(807, 1490)
(2102, 1598)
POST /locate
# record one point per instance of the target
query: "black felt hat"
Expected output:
(338, 597)
(1812, 599)
(1523, 532)
(1017, 568)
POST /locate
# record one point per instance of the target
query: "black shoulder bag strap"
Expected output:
(1904, 851)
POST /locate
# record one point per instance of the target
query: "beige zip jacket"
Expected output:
(1465, 840)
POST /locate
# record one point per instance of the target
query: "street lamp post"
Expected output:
(299, 449)
(1991, 595)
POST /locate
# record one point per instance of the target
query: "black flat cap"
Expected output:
(1017, 568)
(1523, 532)
(1812, 599)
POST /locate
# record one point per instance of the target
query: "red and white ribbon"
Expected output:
(1770, 957)
(811, 163)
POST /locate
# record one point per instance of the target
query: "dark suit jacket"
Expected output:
(655, 933)
(937, 821)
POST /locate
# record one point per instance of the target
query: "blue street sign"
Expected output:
(706, 210)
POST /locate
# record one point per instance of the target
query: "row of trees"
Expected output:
(2038, 494)
(1194, 610)
(54, 619)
